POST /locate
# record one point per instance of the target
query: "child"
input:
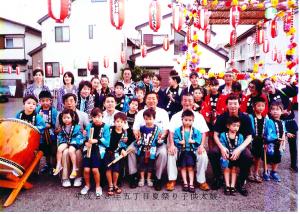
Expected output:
(117, 146)
(146, 147)
(49, 115)
(187, 139)
(121, 99)
(146, 82)
(133, 109)
(70, 137)
(140, 95)
(261, 126)
(29, 115)
(276, 142)
(230, 140)
(97, 144)
(199, 104)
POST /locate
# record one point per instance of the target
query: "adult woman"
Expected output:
(85, 99)
(129, 85)
(68, 87)
(255, 87)
(96, 88)
(105, 90)
(157, 89)
(38, 84)
(288, 115)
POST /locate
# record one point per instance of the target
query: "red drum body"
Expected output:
(18, 142)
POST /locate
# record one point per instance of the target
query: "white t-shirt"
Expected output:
(109, 119)
(199, 122)
(161, 119)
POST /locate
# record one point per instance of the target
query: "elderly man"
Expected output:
(162, 121)
(187, 102)
(70, 101)
(241, 154)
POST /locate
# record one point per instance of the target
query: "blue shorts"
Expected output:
(186, 159)
(108, 158)
(94, 161)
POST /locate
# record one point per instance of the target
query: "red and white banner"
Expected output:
(274, 30)
(9, 69)
(260, 36)
(233, 37)
(18, 70)
(203, 18)
(123, 57)
(207, 36)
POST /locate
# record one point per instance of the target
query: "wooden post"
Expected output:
(89, 150)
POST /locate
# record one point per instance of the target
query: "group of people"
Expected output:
(147, 130)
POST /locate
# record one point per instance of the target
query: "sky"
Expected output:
(30, 11)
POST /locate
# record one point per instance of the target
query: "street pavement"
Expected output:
(48, 195)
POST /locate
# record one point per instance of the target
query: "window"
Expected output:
(62, 34)
(99, 0)
(54, 66)
(95, 70)
(91, 32)
(178, 43)
(82, 72)
(158, 39)
(14, 42)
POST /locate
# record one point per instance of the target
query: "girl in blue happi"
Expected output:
(187, 139)
(263, 128)
(231, 140)
(146, 147)
(276, 141)
(121, 99)
(48, 140)
(97, 143)
(117, 147)
(70, 137)
(29, 114)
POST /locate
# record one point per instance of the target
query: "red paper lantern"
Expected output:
(260, 36)
(62, 70)
(234, 16)
(240, 76)
(59, 10)
(266, 46)
(274, 30)
(166, 44)
(117, 13)
(49, 70)
(90, 65)
(233, 37)
(154, 15)
(123, 57)
(279, 57)
(287, 21)
(9, 69)
(17, 70)
(143, 51)
(203, 18)
(177, 17)
(207, 36)
(105, 62)
(274, 54)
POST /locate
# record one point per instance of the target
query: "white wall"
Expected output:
(75, 54)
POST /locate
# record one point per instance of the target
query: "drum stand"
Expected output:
(17, 183)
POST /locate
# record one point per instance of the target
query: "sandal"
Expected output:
(191, 189)
(73, 174)
(185, 188)
(56, 171)
(117, 190)
(110, 191)
(232, 191)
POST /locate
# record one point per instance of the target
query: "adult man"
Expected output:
(70, 101)
(162, 121)
(187, 102)
(227, 87)
(242, 154)
(194, 77)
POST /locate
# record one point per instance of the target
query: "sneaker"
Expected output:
(66, 183)
(266, 176)
(78, 182)
(84, 190)
(149, 183)
(98, 192)
(141, 182)
(274, 175)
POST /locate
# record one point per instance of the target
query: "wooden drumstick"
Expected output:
(89, 149)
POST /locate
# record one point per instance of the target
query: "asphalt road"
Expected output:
(48, 195)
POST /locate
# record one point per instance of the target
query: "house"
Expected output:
(160, 61)
(69, 46)
(244, 49)
(16, 41)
